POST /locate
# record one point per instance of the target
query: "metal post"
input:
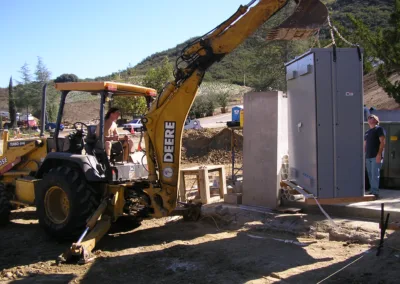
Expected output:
(59, 117)
(43, 115)
(106, 162)
(384, 226)
(233, 155)
(102, 103)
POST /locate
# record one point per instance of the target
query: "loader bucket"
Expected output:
(308, 17)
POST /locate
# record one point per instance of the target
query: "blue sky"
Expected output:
(97, 37)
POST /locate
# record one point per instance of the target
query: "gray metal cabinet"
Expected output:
(325, 109)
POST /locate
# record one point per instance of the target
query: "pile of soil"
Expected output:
(211, 146)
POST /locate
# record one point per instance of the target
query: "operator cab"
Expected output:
(83, 146)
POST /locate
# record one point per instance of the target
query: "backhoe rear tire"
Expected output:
(65, 201)
(5, 205)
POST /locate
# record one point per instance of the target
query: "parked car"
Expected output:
(52, 125)
(136, 124)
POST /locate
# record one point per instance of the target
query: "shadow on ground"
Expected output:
(366, 267)
(241, 259)
(47, 278)
(236, 259)
(25, 244)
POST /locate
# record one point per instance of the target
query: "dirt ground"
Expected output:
(211, 146)
(170, 250)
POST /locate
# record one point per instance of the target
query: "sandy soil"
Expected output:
(212, 250)
(170, 250)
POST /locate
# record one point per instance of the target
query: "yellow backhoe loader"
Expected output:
(29, 164)
(81, 194)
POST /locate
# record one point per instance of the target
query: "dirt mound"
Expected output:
(210, 146)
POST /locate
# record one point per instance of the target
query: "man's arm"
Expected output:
(115, 132)
(382, 140)
(381, 145)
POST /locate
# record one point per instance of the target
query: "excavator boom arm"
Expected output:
(238, 27)
(164, 121)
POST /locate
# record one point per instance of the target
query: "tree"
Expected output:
(130, 106)
(25, 74)
(202, 106)
(52, 103)
(268, 72)
(43, 76)
(11, 105)
(156, 78)
(209, 105)
(66, 78)
(384, 45)
(42, 73)
(199, 107)
(222, 98)
(27, 97)
(130, 71)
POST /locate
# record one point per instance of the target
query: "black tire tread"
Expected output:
(85, 198)
(5, 205)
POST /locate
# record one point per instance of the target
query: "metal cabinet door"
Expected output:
(302, 123)
(393, 154)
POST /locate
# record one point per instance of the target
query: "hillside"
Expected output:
(257, 63)
(261, 62)
(375, 96)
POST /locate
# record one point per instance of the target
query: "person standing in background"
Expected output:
(374, 145)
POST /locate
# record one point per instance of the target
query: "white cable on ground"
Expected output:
(302, 192)
(326, 214)
(341, 269)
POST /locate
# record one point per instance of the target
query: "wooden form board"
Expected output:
(203, 183)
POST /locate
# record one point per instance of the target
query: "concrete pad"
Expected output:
(304, 225)
(366, 210)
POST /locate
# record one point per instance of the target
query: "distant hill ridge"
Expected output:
(373, 12)
(258, 64)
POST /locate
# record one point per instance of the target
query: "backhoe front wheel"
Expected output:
(5, 205)
(64, 203)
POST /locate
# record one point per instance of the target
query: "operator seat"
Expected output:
(117, 152)
(91, 140)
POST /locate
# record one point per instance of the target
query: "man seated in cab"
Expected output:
(111, 134)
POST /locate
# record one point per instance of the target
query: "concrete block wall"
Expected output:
(265, 134)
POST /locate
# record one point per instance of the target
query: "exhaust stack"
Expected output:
(43, 113)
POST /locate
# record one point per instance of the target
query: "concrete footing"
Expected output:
(365, 210)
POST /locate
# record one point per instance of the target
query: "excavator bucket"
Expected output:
(308, 17)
